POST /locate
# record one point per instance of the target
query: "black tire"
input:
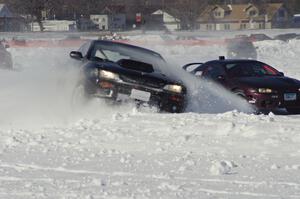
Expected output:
(242, 95)
(293, 110)
(79, 98)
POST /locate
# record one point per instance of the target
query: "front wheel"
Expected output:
(293, 110)
(79, 98)
(242, 96)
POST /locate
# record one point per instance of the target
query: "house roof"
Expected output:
(239, 12)
(4, 11)
(163, 12)
(272, 8)
(158, 12)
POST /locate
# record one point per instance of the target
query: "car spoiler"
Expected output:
(185, 67)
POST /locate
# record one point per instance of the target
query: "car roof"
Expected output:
(108, 42)
(229, 61)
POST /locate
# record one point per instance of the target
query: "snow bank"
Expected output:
(121, 152)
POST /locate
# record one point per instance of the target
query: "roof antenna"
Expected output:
(221, 57)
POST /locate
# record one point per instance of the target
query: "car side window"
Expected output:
(84, 48)
(213, 71)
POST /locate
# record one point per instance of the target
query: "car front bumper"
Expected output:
(123, 91)
(273, 101)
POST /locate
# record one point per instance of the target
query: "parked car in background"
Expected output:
(122, 72)
(241, 49)
(259, 37)
(5, 57)
(261, 85)
(286, 37)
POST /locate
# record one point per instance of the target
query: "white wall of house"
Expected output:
(171, 22)
(172, 27)
(101, 21)
(54, 25)
(235, 26)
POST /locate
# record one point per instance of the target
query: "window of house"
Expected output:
(252, 13)
(209, 27)
(217, 14)
(227, 26)
(243, 26)
(103, 19)
(261, 26)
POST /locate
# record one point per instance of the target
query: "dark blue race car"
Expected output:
(123, 72)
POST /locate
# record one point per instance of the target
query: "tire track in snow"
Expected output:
(20, 167)
(24, 167)
(213, 191)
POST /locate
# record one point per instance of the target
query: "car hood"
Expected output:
(274, 82)
(114, 67)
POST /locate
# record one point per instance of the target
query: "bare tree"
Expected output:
(188, 11)
(32, 7)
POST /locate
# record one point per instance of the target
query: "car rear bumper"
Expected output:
(122, 91)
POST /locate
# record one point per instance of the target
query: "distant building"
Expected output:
(117, 22)
(243, 16)
(86, 24)
(296, 21)
(10, 22)
(163, 18)
(101, 21)
(112, 22)
(55, 25)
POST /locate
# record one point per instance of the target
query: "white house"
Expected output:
(170, 22)
(55, 25)
(101, 21)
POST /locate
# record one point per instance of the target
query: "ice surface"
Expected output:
(120, 152)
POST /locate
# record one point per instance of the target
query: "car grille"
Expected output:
(149, 82)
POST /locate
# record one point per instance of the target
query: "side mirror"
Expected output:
(281, 74)
(76, 55)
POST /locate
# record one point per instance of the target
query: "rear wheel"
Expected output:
(293, 110)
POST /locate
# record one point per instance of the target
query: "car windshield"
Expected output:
(118, 52)
(250, 69)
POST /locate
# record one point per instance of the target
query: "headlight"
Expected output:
(265, 90)
(173, 88)
(94, 72)
(108, 75)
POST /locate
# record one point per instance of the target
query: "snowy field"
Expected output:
(209, 152)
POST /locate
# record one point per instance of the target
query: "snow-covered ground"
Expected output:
(48, 151)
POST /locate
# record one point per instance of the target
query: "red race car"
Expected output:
(258, 83)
